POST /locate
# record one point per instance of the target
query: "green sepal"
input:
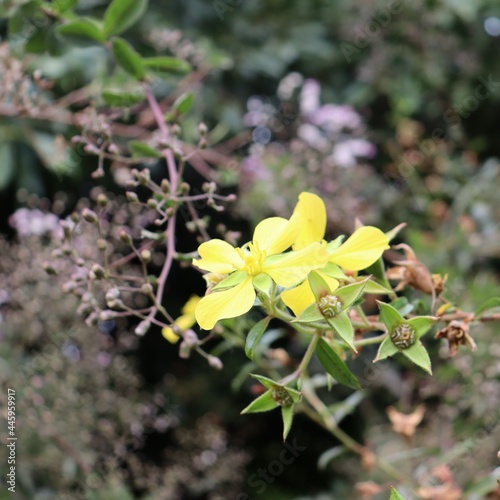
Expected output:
(82, 28)
(254, 335)
(349, 294)
(142, 150)
(386, 349)
(395, 231)
(121, 14)
(183, 103)
(263, 283)
(318, 285)
(287, 416)
(390, 316)
(421, 324)
(418, 354)
(395, 495)
(166, 64)
(265, 381)
(333, 365)
(333, 245)
(263, 403)
(232, 280)
(310, 314)
(343, 326)
(376, 288)
(377, 269)
(128, 58)
(334, 271)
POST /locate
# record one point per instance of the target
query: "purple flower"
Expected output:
(344, 153)
(29, 222)
(309, 97)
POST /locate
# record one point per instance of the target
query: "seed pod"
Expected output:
(330, 306)
(281, 396)
(403, 336)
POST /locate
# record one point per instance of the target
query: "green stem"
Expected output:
(371, 340)
(305, 361)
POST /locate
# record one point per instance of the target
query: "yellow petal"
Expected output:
(332, 283)
(228, 303)
(312, 219)
(298, 298)
(291, 268)
(185, 321)
(169, 334)
(275, 235)
(218, 256)
(361, 249)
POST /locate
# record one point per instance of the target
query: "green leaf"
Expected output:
(334, 271)
(287, 416)
(261, 404)
(332, 245)
(418, 355)
(376, 288)
(263, 283)
(333, 365)
(421, 324)
(82, 28)
(343, 327)
(395, 495)
(183, 103)
(122, 99)
(166, 64)
(385, 350)
(128, 58)
(348, 294)
(318, 285)
(121, 14)
(254, 335)
(489, 304)
(394, 232)
(390, 316)
(142, 150)
(402, 305)
(377, 269)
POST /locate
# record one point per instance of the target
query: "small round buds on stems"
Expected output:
(89, 215)
(142, 328)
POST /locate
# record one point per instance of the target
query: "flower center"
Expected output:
(253, 260)
(403, 336)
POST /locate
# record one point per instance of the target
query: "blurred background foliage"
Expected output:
(411, 71)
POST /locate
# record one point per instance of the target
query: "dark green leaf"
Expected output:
(183, 103)
(254, 335)
(128, 58)
(122, 99)
(390, 316)
(333, 365)
(166, 64)
(267, 382)
(121, 14)
(82, 28)
(343, 327)
(142, 150)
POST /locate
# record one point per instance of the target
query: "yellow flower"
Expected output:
(360, 250)
(261, 258)
(187, 320)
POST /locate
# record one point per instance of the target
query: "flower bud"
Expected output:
(202, 129)
(142, 328)
(102, 200)
(106, 315)
(125, 237)
(147, 289)
(112, 294)
(98, 271)
(184, 350)
(165, 185)
(215, 362)
(49, 269)
(152, 203)
(89, 215)
(102, 244)
(69, 286)
(132, 197)
(145, 256)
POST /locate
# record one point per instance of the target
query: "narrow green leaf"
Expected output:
(122, 99)
(421, 324)
(333, 365)
(142, 150)
(418, 355)
(128, 58)
(389, 316)
(489, 304)
(395, 495)
(183, 103)
(232, 280)
(395, 231)
(121, 14)
(166, 64)
(334, 271)
(376, 288)
(287, 416)
(82, 28)
(254, 335)
(385, 350)
(377, 269)
(343, 326)
(265, 402)
(310, 314)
